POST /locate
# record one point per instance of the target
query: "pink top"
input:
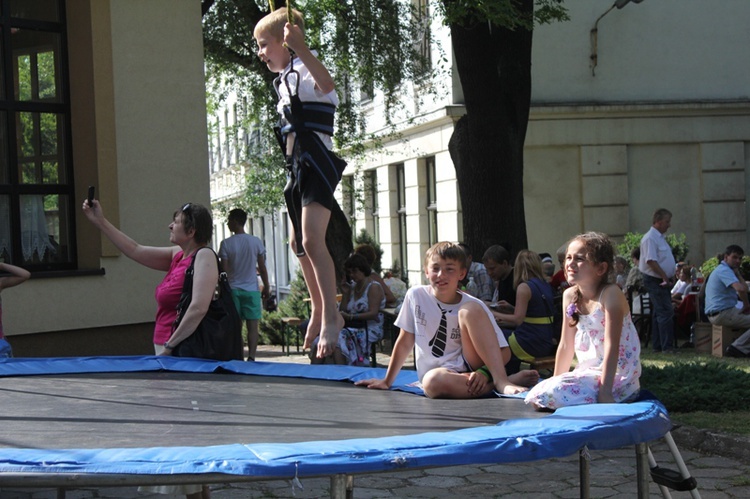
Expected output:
(168, 296)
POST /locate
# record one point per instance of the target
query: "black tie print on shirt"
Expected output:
(437, 343)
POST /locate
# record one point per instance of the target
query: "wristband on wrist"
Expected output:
(486, 372)
(167, 346)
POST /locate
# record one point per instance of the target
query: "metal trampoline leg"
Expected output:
(583, 472)
(60, 493)
(670, 479)
(681, 464)
(652, 464)
(642, 469)
(342, 487)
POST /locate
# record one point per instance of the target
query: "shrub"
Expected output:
(364, 237)
(695, 386)
(291, 306)
(709, 265)
(678, 243)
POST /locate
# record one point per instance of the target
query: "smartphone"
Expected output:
(90, 197)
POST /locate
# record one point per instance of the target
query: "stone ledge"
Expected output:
(711, 442)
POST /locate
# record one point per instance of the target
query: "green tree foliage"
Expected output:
(678, 243)
(363, 43)
(374, 44)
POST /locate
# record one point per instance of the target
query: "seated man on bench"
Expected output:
(724, 287)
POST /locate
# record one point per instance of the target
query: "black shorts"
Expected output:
(313, 174)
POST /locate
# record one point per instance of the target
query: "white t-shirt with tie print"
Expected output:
(421, 314)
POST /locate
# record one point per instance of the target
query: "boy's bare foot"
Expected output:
(329, 336)
(527, 378)
(313, 330)
(509, 388)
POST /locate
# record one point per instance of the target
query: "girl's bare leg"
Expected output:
(316, 301)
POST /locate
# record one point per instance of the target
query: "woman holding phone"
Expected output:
(190, 230)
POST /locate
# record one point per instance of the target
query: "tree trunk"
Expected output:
(494, 66)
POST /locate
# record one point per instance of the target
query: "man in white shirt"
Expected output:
(658, 265)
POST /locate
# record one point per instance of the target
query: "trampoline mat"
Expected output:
(97, 420)
(195, 409)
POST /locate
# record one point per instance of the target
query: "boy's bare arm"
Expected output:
(402, 348)
(295, 40)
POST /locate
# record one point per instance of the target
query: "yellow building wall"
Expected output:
(139, 135)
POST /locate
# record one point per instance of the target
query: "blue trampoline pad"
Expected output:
(104, 417)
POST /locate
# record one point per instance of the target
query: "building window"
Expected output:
(227, 141)
(286, 268)
(236, 136)
(255, 142)
(366, 92)
(250, 226)
(432, 222)
(217, 158)
(422, 34)
(371, 189)
(347, 190)
(37, 199)
(401, 211)
(262, 229)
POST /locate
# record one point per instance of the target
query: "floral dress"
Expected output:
(581, 386)
(352, 340)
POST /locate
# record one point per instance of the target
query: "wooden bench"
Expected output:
(285, 323)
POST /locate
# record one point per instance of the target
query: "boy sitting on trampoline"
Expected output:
(460, 350)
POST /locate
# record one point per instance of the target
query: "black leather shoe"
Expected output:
(734, 352)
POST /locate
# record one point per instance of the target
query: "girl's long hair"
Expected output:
(528, 265)
(598, 249)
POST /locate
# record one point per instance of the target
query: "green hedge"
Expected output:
(692, 386)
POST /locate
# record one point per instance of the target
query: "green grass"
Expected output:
(700, 390)
(724, 422)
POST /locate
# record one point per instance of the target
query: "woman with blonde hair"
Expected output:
(533, 317)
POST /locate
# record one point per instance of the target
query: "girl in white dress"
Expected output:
(598, 330)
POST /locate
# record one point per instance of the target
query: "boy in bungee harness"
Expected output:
(307, 102)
